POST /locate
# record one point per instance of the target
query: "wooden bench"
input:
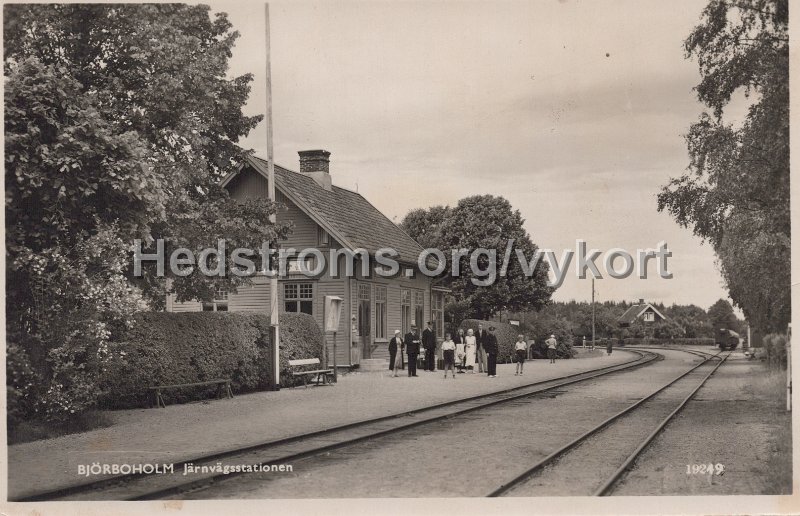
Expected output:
(223, 389)
(321, 374)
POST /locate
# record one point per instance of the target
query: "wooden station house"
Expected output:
(327, 217)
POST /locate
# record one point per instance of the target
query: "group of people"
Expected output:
(475, 350)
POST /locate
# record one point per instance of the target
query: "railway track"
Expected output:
(155, 486)
(620, 433)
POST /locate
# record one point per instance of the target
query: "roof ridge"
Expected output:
(407, 244)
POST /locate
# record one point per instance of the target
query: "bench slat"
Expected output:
(195, 384)
(304, 361)
(318, 371)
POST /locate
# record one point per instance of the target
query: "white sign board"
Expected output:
(333, 310)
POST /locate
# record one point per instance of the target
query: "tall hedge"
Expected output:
(173, 348)
(689, 341)
(506, 336)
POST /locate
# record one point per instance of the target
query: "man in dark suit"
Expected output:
(480, 350)
(394, 345)
(429, 343)
(412, 349)
(491, 348)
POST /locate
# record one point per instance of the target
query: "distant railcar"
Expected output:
(727, 339)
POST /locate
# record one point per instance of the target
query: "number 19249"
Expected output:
(705, 469)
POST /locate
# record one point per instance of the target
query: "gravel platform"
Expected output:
(160, 436)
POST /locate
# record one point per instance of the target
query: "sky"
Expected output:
(573, 111)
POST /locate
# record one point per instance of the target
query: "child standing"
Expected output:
(449, 351)
(461, 353)
(520, 350)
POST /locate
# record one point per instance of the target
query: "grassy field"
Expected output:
(771, 387)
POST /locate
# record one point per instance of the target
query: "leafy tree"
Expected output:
(544, 324)
(482, 222)
(425, 226)
(721, 316)
(119, 122)
(693, 319)
(736, 195)
(605, 321)
(667, 329)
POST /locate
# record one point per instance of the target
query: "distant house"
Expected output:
(327, 217)
(643, 311)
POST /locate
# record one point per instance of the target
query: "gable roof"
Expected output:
(635, 311)
(346, 215)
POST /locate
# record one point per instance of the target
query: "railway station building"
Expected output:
(328, 217)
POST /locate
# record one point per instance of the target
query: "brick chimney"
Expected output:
(316, 165)
(641, 301)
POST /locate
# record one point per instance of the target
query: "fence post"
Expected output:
(789, 368)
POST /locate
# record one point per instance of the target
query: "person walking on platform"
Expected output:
(520, 351)
(551, 348)
(461, 352)
(609, 346)
(429, 343)
(471, 345)
(480, 353)
(491, 349)
(412, 348)
(449, 355)
(396, 352)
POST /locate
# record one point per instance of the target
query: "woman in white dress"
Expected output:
(472, 346)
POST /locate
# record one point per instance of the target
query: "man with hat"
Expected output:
(491, 348)
(412, 348)
(395, 345)
(480, 338)
(551, 348)
(429, 343)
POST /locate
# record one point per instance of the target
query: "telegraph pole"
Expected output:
(273, 282)
(593, 316)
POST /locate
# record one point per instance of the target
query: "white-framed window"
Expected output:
(380, 312)
(437, 311)
(364, 321)
(219, 303)
(419, 308)
(298, 298)
(649, 316)
(323, 238)
(295, 265)
(405, 309)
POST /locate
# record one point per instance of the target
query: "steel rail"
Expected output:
(617, 475)
(527, 474)
(98, 486)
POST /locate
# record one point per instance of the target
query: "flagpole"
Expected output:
(273, 282)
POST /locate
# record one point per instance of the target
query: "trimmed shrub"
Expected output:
(775, 350)
(172, 348)
(699, 341)
(301, 337)
(506, 337)
(563, 349)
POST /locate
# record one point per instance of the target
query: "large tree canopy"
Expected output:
(721, 316)
(119, 122)
(482, 222)
(736, 194)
